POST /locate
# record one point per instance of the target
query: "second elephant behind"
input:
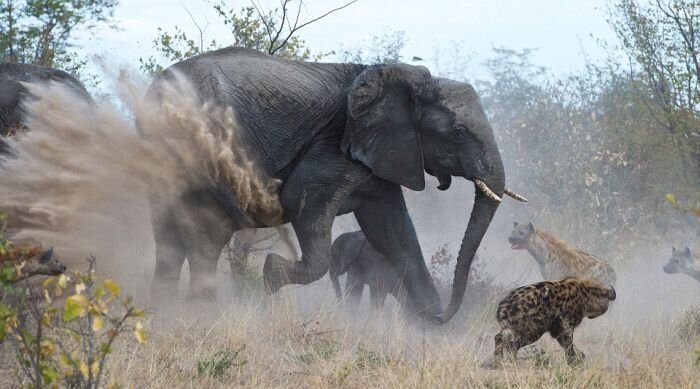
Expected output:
(353, 254)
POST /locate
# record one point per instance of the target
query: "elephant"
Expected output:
(12, 92)
(351, 253)
(340, 138)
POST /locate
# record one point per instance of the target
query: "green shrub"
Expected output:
(689, 326)
(220, 363)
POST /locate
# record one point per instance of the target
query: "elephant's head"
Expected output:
(402, 123)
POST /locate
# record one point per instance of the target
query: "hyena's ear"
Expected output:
(687, 251)
(46, 256)
(673, 249)
(532, 228)
(515, 224)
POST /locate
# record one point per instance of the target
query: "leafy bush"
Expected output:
(588, 150)
(481, 288)
(65, 345)
(220, 363)
(69, 346)
(364, 359)
(322, 349)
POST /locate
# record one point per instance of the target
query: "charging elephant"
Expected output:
(353, 255)
(12, 92)
(340, 138)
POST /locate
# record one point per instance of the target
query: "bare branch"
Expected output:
(296, 27)
(264, 20)
(271, 49)
(326, 14)
(199, 28)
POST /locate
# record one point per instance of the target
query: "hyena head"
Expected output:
(521, 236)
(45, 264)
(599, 298)
(681, 261)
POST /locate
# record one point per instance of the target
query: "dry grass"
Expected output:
(301, 338)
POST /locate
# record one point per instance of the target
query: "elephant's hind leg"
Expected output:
(170, 255)
(208, 228)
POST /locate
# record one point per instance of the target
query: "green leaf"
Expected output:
(50, 374)
(671, 198)
(75, 306)
(140, 333)
(97, 323)
(112, 287)
(105, 348)
(99, 293)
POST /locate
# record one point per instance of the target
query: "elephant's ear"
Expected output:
(383, 112)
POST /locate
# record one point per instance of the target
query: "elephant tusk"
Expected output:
(486, 190)
(515, 195)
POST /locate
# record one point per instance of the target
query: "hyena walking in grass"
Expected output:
(556, 258)
(31, 261)
(683, 262)
(557, 307)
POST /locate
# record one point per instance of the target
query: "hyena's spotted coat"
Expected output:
(556, 307)
(556, 258)
(31, 261)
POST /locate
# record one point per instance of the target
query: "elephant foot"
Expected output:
(202, 285)
(276, 272)
(201, 296)
(163, 293)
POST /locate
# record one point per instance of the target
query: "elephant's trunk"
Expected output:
(482, 213)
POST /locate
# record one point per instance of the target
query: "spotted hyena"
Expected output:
(556, 258)
(32, 261)
(556, 307)
(683, 261)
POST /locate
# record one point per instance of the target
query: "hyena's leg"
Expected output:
(564, 335)
(507, 344)
(498, 349)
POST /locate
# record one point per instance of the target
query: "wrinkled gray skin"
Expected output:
(342, 138)
(13, 93)
(352, 254)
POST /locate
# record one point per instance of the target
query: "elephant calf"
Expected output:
(352, 254)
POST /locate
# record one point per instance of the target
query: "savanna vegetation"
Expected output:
(609, 157)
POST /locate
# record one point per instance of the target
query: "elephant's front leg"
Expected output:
(312, 197)
(385, 222)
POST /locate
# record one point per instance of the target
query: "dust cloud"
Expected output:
(83, 172)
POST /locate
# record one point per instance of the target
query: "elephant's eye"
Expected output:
(460, 134)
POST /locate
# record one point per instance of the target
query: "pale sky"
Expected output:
(559, 30)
